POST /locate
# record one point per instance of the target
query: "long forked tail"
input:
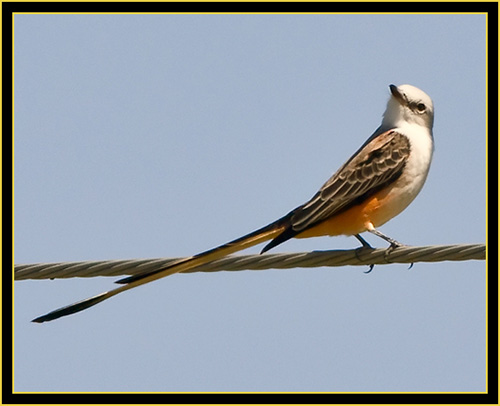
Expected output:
(264, 234)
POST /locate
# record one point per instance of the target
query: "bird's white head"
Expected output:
(408, 105)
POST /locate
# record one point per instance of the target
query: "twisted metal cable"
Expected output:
(313, 259)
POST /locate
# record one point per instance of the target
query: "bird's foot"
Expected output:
(394, 244)
(364, 246)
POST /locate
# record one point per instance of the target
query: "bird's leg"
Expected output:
(394, 243)
(362, 241)
(365, 245)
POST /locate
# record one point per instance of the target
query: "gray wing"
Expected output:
(378, 162)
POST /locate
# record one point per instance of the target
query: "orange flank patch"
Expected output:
(371, 213)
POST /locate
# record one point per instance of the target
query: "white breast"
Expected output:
(411, 181)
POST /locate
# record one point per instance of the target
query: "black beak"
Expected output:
(398, 96)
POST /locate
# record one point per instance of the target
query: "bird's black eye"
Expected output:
(420, 107)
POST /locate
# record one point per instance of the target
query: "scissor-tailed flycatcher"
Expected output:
(376, 184)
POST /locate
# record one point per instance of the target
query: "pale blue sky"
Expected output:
(144, 136)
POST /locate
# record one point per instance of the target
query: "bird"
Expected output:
(374, 185)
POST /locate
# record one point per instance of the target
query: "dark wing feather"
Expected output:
(379, 161)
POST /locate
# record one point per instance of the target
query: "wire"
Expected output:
(362, 256)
